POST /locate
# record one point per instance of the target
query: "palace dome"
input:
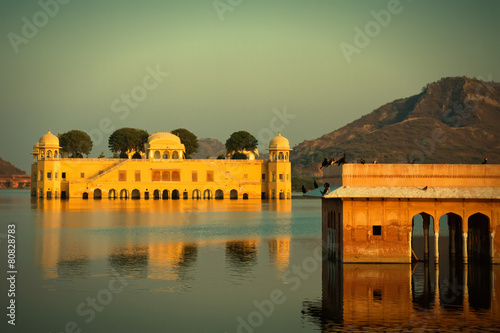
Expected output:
(49, 139)
(279, 142)
(164, 137)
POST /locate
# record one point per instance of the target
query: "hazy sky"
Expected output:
(215, 67)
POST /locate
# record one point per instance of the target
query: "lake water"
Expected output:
(217, 266)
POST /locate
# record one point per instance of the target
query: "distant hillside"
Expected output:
(7, 169)
(454, 120)
(209, 147)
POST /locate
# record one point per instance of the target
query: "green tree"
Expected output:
(76, 143)
(239, 141)
(101, 155)
(221, 157)
(188, 139)
(239, 156)
(125, 140)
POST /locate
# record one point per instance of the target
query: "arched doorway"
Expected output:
(97, 193)
(233, 194)
(207, 194)
(453, 223)
(157, 155)
(164, 195)
(175, 194)
(112, 194)
(422, 223)
(219, 194)
(245, 196)
(478, 238)
(85, 195)
(282, 195)
(123, 194)
(136, 194)
(196, 194)
(156, 194)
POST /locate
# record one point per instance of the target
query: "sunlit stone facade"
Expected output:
(162, 173)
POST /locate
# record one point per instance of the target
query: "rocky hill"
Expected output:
(7, 169)
(454, 120)
(209, 147)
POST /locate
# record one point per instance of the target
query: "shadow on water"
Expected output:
(397, 296)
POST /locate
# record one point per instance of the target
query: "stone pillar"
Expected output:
(436, 250)
(464, 247)
(426, 236)
(492, 243)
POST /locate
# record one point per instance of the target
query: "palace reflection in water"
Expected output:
(369, 296)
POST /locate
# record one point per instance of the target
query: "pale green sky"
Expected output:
(226, 75)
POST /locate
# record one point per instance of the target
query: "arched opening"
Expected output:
(478, 238)
(282, 195)
(450, 232)
(175, 155)
(85, 195)
(156, 194)
(112, 194)
(176, 176)
(280, 155)
(233, 194)
(97, 193)
(165, 176)
(135, 194)
(55, 154)
(49, 153)
(157, 155)
(219, 194)
(123, 194)
(245, 196)
(196, 194)
(164, 195)
(422, 223)
(166, 155)
(207, 194)
(175, 194)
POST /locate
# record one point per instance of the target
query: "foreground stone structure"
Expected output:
(370, 210)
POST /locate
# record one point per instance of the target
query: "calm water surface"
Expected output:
(218, 266)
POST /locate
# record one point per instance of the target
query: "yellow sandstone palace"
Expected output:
(161, 173)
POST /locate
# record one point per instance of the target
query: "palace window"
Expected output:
(281, 176)
(377, 230)
(156, 176)
(49, 175)
(82, 175)
(137, 175)
(263, 176)
(194, 176)
(63, 175)
(210, 176)
(122, 175)
(165, 176)
(176, 176)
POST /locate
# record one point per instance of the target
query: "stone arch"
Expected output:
(156, 194)
(166, 155)
(112, 194)
(136, 194)
(478, 238)
(156, 177)
(49, 153)
(280, 155)
(281, 195)
(157, 155)
(175, 155)
(56, 154)
(85, 195)
(123, 194)
(245, 196)
(455, 226)
(233, 194)
(207, 194)
(97, 193)
(219, 194)
(165, 176)
(164, 195)
(176, 176)
(421, 225)
(196, 194)
(175, 194)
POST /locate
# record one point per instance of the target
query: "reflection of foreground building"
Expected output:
(162, 173)
(368, 214)
(360, 295)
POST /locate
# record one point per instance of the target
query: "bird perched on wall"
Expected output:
(324, 164)
(485, 161)
(304, 189)
(411, 162)
(425, 188)
(362, 161)
(341, 160)
(331, 162)
(315, 184)
(327, 187)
